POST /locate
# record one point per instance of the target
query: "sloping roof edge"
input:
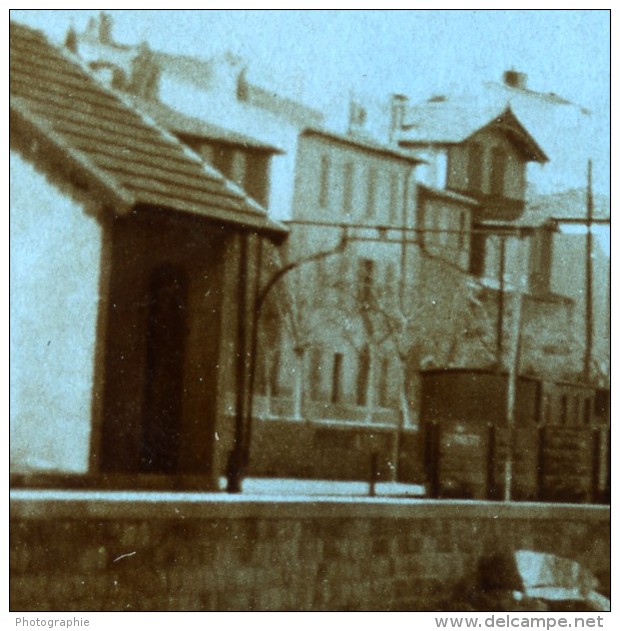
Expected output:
(532, 147)
(435, 135)
(182, 124)
(26, 121)
(359, 143)
(449, 195)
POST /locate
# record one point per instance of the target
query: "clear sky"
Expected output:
(382, 51)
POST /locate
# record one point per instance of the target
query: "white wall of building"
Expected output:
(55, 254)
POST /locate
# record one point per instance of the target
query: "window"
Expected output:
(366, 268)
(363, 374)
(316, 359)
(477, 254)
(384, 381)
(257, 177)
(394, 206)
(324, 182)
(498, 169)
(337, 378)
(371, 192)
(347, 188)
(223, 160)
(474, 167)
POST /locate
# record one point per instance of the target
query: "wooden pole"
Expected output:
(513, 371)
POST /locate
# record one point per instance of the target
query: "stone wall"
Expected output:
(76, 551)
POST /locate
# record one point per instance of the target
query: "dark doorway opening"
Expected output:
(163, 398)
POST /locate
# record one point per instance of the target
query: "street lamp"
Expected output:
(239, 456)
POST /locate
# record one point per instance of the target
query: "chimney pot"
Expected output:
(515, 79)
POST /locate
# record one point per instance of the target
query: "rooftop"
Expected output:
(123, 155)
(445, 121)
(182, 124)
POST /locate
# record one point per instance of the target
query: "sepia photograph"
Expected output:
(310, 310)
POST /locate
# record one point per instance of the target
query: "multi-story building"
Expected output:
(482, 154)
(571, 136)
(365, 193)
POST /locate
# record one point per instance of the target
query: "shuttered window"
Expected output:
(394, 213)
(363, 373)
(337, 378)
(371, 192)
(347, 188)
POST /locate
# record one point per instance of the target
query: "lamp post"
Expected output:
(239, 456)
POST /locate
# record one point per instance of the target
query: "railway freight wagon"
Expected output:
(559, 445)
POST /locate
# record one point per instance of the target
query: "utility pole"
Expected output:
(513, 370)
(587, 356)
(499, 336)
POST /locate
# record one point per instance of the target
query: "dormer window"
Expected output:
(474, 167)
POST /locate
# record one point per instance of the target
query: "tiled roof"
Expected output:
(450, 121)
(362, 143)
(123, 154)
(182, 124)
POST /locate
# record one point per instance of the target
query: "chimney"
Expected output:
(357, 116)
(105, 28)
(71, 40)
(398, 107)
(515, 79)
